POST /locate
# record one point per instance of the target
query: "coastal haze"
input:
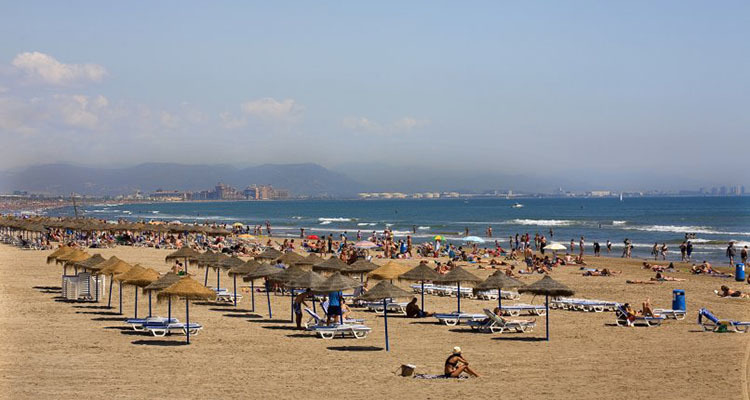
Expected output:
(243, 166)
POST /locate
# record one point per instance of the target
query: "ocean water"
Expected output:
(714, 220)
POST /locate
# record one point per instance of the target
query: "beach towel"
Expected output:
(431, 376)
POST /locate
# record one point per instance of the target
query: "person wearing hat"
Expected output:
(455, 364)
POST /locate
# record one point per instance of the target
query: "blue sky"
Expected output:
(572, 88)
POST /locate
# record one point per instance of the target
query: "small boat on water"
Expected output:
(517, 205)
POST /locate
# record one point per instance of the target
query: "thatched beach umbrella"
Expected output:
(264, 270)
(59, 252)
(458, 275)
(360, 267)
(209, 259)
(332, 264)
(241, 270)
(74, 260)
(285, 276)
(421, 273)
(548, 287)
(312, 259)
(141, 280)
(291, 258)
(189, 289)
(385, 290)
(112, 267)
(269, 254)
(74, 256)
(184, 253)
(389, 271)
(124, 277)
(337, 283)
(92, 265)
(499, 280)
(226, 263)
(162, 283)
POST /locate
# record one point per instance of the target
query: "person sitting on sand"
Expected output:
(602, 272)
(661, 278)
(413, 311)
(704, 268)
(299, 302)
(455, 364)
(727, 292)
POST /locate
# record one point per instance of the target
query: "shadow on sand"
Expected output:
(48, 288)
(249, 316)
(271, 321)
(281, 327)
(355, 348)
(520, 339)
(118, 319)
(98, 312)
(160, 342)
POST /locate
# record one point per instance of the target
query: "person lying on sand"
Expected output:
(727, 292)
(455, 364)
(661, 278)
(413, 310)
(638, 282)
(602, 272)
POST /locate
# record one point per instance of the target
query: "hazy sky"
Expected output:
(575, 88)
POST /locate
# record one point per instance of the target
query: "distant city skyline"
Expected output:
(630, 95)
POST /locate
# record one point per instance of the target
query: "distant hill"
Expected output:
(299, 179)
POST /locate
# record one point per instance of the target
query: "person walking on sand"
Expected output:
(743, 255)
(581, 247)
(689, 250)
(609, 246)
(663, 251)
(655, 251)
(268, 227)
(731, 253)
(299, 302)
(455, 364)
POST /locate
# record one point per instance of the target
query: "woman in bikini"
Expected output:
(455, 364)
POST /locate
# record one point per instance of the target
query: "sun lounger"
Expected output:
(710, 322)
(345, 330)
(518, 309)
(673, 314)
(377, 306)
(623, 320)
(225, 296)
(138, 323)
(163, 329)
(316, 320)
(452, 319)
(495, 324)
(492, 295)
(584, 305)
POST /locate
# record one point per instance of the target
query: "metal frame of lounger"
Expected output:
(164, 330)
(227, 297)
(314, 317)
(710, 322)
(584, 305)
(516, 309)
(621, 318)
(345, 330)
(452, 319)
(499, 325)
(671, 314)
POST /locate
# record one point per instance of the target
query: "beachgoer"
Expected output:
(743, 255)
(413, 310)
(609, 246)
(731, 253)
(299, 302)
(727, 292)
(334, 307)
(455, 364)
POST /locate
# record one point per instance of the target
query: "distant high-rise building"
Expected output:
(742, 190)
(714, 191)
(723, 191)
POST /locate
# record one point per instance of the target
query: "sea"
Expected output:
(711, 221)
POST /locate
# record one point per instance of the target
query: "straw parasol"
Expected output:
(143, 279)
(335, 284)
(210, 259)
(312, 259)
(226, 263)
(269, 254)
(301, 279)
(184, 253)
(73, 259)
(93, 264)
(264, 270)
(499, 280)
(360, 266)
(385, 290)
(548, 287)
(292, 258)
(113, 266)
(129, 274)
(458, 275)
(162, 283)
(59, 252)
(331, 264)
(242, 269)
(189, 289)
(389, 271)
(421, 273)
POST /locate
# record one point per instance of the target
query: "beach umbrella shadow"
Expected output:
(355, 348)
(159, 342)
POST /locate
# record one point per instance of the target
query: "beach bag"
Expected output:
(407, 369)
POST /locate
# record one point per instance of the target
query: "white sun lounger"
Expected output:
(492, 295)
(452, 319)
(377, 306)
(494, 324)
(138, 323)
(517, 309)
(709, 322)
(163, 329)
(225, 296)
(622, 319)
(584, 305)
(316, 320)
(345, 330)
(673, 314)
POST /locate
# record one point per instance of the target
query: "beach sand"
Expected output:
(53, 349)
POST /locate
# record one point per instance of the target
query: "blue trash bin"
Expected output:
(739, 272)
(678, 300)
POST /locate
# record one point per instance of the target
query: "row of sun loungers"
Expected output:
(159, 326)
(393, 307)
(452, 291)
(572, 304)
(495, 324)
(350, 328)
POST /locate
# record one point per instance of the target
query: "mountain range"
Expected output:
(62, 179)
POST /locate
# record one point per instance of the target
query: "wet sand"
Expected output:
(54, 349)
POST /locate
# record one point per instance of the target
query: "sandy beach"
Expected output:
(54, 349)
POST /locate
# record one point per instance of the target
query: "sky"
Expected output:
(652, 93)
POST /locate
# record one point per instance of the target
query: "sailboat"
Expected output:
(620, 196)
